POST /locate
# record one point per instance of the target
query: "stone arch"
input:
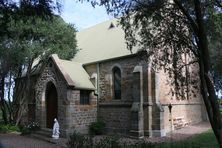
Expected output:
(41, 110)
(118, 66)
(50, 74)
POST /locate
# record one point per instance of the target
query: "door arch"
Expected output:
(51, 104)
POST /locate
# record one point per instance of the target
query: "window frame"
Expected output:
(117, 83)
(84, 98)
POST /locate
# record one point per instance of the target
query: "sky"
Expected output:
(83, 15)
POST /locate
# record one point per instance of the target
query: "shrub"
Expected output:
(77, 140)
(97, 128)
(29, 128)
(33, 126)
(4, 128)
(13, 128)
(25, 130)
(143, 144)
(108, 142)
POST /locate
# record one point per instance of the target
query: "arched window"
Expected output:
(117, 82)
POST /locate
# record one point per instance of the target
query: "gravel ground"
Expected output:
(17, 141)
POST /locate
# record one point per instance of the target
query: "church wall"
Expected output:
(117, 113)
(79, 117)
(71, 115)
(51, 74)
(185, 111)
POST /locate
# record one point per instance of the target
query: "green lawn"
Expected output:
(204, 140)
(0, 115)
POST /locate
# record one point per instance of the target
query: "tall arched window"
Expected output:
(117, 82)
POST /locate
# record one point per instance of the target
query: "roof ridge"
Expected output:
(66, 76)
(113, 20)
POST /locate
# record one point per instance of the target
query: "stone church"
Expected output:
(106, 81)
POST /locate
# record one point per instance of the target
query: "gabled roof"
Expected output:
(104, 41)
(73, 72)
(101, 42)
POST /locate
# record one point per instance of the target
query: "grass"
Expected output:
(5, 128)
(204, 140)
(220, 110)
(1, 115)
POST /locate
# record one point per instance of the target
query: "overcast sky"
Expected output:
(83, 15)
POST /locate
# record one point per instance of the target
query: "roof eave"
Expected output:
(105, 60)
(68, 79)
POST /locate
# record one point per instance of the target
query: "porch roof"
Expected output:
(74, 74)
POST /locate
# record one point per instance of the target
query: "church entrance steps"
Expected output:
(45, 134)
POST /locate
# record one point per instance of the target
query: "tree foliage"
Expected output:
(168, 30)
(39, 39)
(38, 36)
(214, 31)
(29, 31)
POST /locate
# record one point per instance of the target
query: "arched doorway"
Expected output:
(51, 104)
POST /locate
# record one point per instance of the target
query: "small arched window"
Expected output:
(117, 83)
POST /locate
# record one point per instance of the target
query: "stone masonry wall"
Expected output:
(80, 116)
(189, 114)
(71, 115)
(117, 113)
(117, 118)
(190, 110)
(51, 74)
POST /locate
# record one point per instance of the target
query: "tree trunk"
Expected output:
(207, 86)
(25, 94)
(9, 104)
(2, 99)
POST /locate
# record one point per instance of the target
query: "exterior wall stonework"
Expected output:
(190, 110)
(126, 66)
(156, 97)
(51, 74)
(80, 116)
(117, 119)
(71, 115)
(190, 113)
(117, 113)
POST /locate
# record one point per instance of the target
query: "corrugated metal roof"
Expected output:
(74, 73)
(101, 42)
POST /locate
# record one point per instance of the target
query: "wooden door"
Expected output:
(51, 105)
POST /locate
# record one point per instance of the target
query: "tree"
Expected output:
(155, 26)
(214, 23)
(40, 39)
(29, 34)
